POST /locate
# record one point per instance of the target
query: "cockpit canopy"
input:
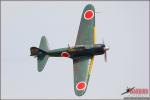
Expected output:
(89, 46)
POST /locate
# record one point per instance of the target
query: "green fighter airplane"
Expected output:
(82, 53)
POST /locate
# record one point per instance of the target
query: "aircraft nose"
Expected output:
(103, 45)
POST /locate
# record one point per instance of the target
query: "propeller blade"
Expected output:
(105, 56)
(103, 41)
(105, 50)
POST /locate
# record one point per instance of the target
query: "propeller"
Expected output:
(105, 53)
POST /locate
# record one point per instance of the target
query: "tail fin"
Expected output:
(41, 53)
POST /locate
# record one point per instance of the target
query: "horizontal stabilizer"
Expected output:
(41, 60)
(44, 44)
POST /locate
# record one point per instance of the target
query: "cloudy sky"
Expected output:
(124, 26)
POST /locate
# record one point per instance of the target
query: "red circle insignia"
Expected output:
(65, 54)
(81, 86)
(89, 14)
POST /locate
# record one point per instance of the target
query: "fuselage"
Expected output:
(77, 51)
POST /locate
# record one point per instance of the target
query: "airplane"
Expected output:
(128, 90)
(82, 53)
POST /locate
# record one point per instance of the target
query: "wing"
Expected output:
(86, 36)
(82, 68)
(86, 33)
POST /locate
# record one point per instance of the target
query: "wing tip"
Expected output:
(80, 88)
(80, 93)
(90, 5)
